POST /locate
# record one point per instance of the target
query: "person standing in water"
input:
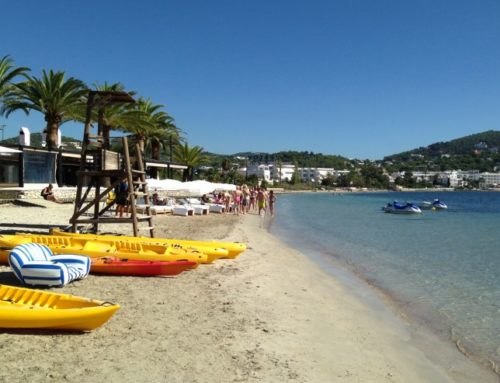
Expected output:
(261, 200)
(272, 201)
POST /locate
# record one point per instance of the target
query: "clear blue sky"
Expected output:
(358, 78)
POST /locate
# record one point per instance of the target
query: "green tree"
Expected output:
(8, 72)
(192, 157)
(408, 179)
(115, 116)
(52, 95)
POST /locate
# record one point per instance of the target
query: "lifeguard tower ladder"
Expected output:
(101, 170)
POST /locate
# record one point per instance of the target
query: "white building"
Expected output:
(283, 172)
(262, 172)
(315, 174)
(489, 179)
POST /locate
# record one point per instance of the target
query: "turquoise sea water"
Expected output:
(442, 268)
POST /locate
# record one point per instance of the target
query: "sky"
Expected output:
(357, 78)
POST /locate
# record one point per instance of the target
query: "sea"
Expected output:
(441, 269)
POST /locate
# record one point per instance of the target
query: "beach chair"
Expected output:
(34, 264)
(182, 210)
(198, 207)
(216, 208)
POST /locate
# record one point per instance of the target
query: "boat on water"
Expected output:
(399, 208)
(434, 205)
(22, 308)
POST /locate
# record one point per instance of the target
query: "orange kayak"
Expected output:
(130, 267)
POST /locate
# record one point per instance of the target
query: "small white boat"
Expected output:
(398, 208)
(434, 205)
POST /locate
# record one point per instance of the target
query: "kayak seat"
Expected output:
(35, 264)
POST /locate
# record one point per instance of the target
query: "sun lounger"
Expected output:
(200, 209)
(182, 210)
(155, 209)
(216, 208)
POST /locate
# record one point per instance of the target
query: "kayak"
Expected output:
(213, 252)
(22, 308)
(102, 247)
(130, 267)
(232, 249)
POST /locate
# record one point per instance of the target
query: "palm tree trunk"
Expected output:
(105, 135)
(155, 150)
(155, 153)
(52, 133)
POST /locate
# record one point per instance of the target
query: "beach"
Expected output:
(270, 315)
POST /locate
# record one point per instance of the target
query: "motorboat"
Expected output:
(434, 205)
(399, 208)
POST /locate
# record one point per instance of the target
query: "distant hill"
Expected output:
(68, 143)
(478, 151)
(303, 159)
(487, 141)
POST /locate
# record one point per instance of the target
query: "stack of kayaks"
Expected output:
(111, 255)
(101, 247)
(213, 249)
(22, 308)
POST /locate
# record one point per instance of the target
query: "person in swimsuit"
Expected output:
(261, 200)
(272, 200)
(48, 194)
(121, 197)
(237, 200)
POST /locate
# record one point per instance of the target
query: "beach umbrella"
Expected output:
(166, 184)
(198, 187)
(224, 187)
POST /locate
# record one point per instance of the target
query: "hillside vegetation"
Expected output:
(475, 152)
(36, 141)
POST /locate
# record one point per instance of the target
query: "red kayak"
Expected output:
(117, 266)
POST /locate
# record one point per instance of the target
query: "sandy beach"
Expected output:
(271, 315)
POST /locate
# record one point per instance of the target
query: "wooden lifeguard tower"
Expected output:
(101, 170)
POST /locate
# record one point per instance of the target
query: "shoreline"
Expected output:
(437, 349)
(270, 315)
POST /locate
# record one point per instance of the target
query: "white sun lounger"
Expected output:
(182, 210)
(200, 209)
(216, 208)
(155, 209)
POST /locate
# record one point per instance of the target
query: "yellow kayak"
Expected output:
(23, 308)
(213, 253)
(233, 249)
(101, 247)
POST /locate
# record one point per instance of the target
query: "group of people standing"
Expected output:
(242, 200)
(245, 200)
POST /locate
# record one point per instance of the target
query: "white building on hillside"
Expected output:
(283, 172)
(315, 174)
(263, 172)
(490, 179)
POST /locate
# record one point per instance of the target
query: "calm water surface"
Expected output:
(441, 267)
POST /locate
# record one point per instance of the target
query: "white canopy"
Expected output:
(224, 187)
(5, 150)
(198, 187)
(166, 184)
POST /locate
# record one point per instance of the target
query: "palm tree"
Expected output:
(52, 95)
(117, 116)
(155, 129)
(7, 73)
(191, 157)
